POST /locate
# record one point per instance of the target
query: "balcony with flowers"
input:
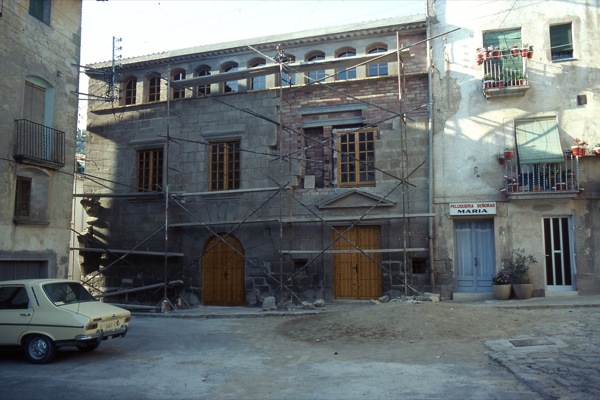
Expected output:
(505, 71)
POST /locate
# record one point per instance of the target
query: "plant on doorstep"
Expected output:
(519, 265)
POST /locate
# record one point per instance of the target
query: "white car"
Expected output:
(42, 315)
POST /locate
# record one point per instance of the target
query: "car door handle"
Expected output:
(25, 314)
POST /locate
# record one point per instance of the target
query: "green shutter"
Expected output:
(538, 141)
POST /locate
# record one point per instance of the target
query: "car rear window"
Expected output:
(67, 292)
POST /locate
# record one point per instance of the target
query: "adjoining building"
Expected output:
(39, 76)
(294, 166)
(520, 77)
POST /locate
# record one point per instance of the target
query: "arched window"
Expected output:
(153, 82)
(315, 75)
(257, 82)
(177, 75)
(378, 69)
(129, 90)
(230, 86)
(202, 90)
(288, 77)
(346, 73)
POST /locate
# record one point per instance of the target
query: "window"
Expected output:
(40, 9)
(177, 76)
(13, 298)
(347, 73)
(230, 86)
(316, 75)
(154, 88)
(378, 69)
(503, 68)
(129, 91)
(288, 77)
(149, 170)
(23, 198)
(258, 82)
(356, 158)
(203, 90)
(225, 166)
(561, 42)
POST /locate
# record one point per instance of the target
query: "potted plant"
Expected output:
(520, 80)
(524, 50)
(530, 51)
(501, 285)
(495, 52)
(500, 157)
(578, 148)
(505, 52)
(519, 265)
(511, 184)
(514, 50)
(597, 149)
(509, 154)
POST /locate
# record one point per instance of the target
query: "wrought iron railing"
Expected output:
(542, 178)
(39, 144)
(505, 71)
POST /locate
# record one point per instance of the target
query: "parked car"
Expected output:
(42, 315)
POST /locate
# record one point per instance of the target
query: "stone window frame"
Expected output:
(377, 69)
(178, 74)
(230, 86)
(149, 177)
(257, 82)
(153, 83)
(346, 167)
(224, 173)
(345, 73)
(129, 90)
(202, 70)
(313, 76)
(37, 186)
(40, 10)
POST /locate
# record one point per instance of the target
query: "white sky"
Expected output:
(153, 26)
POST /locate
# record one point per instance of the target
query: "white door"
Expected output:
(474, 255)
(558, 254)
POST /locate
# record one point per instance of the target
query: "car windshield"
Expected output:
(67, 292)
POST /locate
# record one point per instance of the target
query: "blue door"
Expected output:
(475, 256)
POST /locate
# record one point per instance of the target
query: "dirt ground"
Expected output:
(406, 321)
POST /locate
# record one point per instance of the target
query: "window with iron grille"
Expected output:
(23, 198)
(356, 158)
(225, 166)
(149, 170)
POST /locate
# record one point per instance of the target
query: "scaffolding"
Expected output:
(284, 187)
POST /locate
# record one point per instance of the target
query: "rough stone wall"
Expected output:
(31, 48)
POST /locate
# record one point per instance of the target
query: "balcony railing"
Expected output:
(545, 178)
(39, 144)
(505, 76)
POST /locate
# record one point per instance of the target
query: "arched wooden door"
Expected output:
(356, 276)
(223, 272)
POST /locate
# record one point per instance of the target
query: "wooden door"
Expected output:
(474, 255)
(356, 276)
(223, 272)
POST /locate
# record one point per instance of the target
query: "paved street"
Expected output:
(247, 358)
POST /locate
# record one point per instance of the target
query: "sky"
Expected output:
(153, 26)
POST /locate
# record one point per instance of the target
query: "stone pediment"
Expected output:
(355, 199)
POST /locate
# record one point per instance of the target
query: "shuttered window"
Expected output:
(504, 40)
(149, 170)
(538, 141)
(34, 103)
(23, 198)
(225, 166)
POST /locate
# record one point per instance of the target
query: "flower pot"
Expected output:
(597, 151)
(501, 292)
(496, 54)
(513, 187)
(509, 155)
(515, 52)
(524, 52)
(530, 54)
(501, 160)
(577, 151)
(522, 290)
(561, 186)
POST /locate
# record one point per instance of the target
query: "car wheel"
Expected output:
(90, 346)
(39, 349)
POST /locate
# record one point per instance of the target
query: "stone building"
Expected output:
(519, 76)
(294, 166)
(39, 77)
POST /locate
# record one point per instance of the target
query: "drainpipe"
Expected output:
(430, 144)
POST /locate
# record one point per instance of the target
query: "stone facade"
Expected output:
(288, 137)
(473, 126)
(39, 75)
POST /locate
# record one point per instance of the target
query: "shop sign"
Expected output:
(481, 208)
